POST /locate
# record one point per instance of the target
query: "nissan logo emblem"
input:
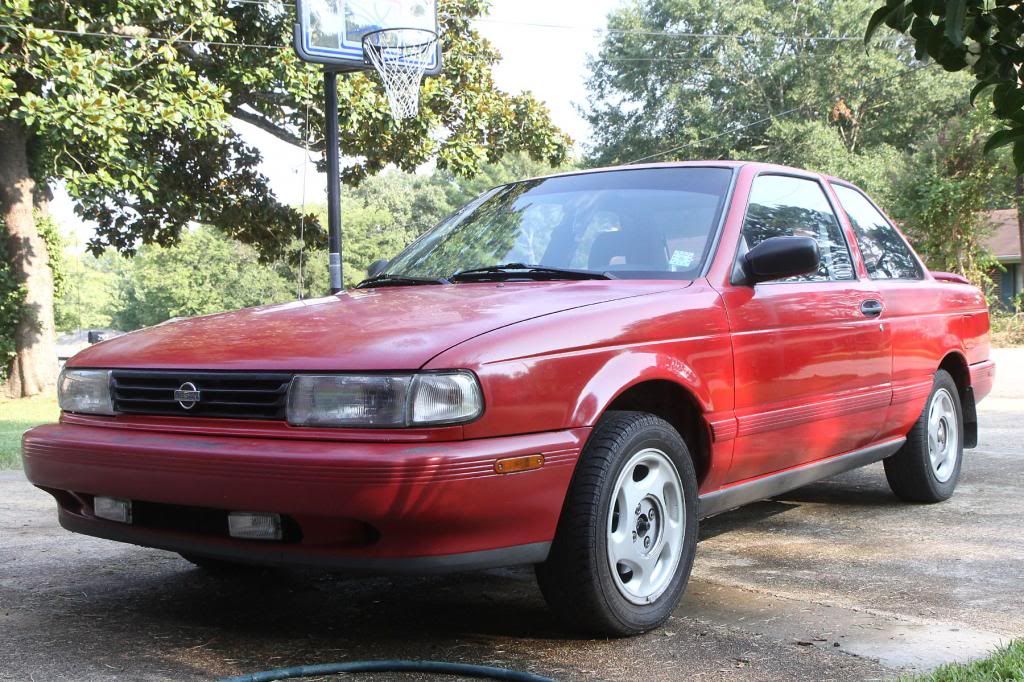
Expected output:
(187, 395)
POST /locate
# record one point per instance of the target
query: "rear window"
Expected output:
(886, 255)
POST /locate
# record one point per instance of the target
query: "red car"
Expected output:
(569, 372)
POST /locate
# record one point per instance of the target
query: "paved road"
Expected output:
(835, 581)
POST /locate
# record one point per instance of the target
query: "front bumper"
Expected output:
(376, 507)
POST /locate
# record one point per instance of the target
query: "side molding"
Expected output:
(776, 484)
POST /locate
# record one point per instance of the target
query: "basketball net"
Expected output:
(401, 56)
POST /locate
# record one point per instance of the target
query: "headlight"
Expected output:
(373, 400)
(85, 390)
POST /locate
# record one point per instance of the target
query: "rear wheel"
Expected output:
(927, 467)
(625, 544)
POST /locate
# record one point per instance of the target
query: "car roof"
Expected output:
(720, 163)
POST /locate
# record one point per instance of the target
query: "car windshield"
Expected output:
(652, 223)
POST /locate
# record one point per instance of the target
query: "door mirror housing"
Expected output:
(779, 258)
(377, 267)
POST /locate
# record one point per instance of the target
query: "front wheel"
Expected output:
(927, 467)
(625, 544)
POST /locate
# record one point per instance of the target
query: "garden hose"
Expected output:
(436, 667)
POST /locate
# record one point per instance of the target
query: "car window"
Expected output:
(885, 254)
(783, 206)
(638, 223)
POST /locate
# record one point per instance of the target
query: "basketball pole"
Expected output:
(333, 181)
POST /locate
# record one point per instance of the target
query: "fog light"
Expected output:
(112, 509)
(255, 525)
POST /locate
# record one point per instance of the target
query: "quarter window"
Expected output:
(886, 255)
(783, 206)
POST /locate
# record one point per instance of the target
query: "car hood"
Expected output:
(388, 328)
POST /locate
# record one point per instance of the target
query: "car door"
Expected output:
(922, 319)
(811, 353)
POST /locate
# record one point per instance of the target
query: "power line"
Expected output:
(159, 39)
(616, 31)
(671, 34)
(764, 119)
(215, 43)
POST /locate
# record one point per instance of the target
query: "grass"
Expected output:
(17, 417)
(1005, 664)
(1007, 329)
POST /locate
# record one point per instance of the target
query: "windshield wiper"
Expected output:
(387, 280)
(523, 270)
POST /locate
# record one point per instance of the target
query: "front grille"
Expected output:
(229, 395)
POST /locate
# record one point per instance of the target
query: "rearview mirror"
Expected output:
(778, 258)
(377, 267)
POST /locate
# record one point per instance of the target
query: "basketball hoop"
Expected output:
(401, 56)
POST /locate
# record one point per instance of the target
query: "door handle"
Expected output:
(871, 307)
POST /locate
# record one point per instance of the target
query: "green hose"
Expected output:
(436, 667)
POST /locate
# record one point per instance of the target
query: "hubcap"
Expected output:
(943, 435)
(645, 526)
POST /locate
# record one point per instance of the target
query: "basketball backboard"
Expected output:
(331, 32)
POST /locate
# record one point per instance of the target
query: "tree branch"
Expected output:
(266, 126)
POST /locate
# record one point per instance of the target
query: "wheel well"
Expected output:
(676, 405)
(956, 365)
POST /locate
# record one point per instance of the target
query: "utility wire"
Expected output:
(764, 119)
(616, 31)
(160, 39)
(671, 34)
(221, 43)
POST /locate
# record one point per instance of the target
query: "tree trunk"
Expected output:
(34, 368)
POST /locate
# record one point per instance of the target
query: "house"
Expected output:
(1004, 244)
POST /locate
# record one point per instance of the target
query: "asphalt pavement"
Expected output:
(835, 581)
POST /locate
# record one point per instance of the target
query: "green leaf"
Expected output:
(978, 89)
(1008, 99)
(1018, 156)
(1004, 137)
(956, 11)
(876, 20)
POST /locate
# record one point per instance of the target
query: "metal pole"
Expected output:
(333, 183)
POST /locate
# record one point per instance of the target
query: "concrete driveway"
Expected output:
(837, 580)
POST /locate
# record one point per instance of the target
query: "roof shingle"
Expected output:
(1004, 242)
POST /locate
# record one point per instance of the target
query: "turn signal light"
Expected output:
(511, 465)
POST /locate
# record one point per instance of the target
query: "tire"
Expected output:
(927, 467)
(578, 580)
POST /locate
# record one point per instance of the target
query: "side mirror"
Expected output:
(377, 267)
(778, 258)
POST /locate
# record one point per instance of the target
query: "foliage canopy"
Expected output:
(979, 36)
(131, 107)
(660, 92)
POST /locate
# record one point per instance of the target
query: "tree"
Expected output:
(87, 301)
(979, 36)
(944, 191)
(705, 79)
(388, 211)
(816, 145)
(131, 108)
(204, 273)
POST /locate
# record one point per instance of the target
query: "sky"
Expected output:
(544, 46)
